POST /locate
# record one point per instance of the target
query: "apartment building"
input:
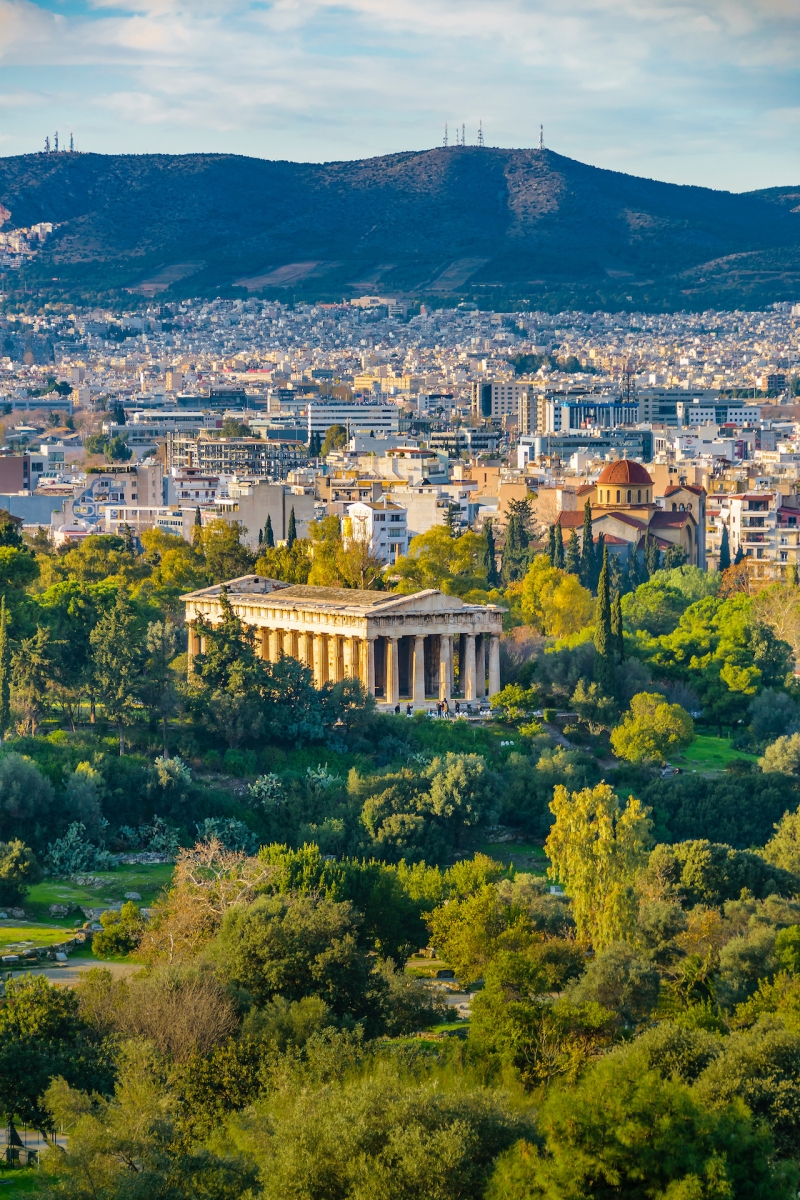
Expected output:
(499, 398)
(382, 524)
(356, 418)
(234, 456)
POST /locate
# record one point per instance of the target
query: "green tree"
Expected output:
(32, 673)
(490, 561)
(291, 532)
(652, 729)
(19, 870)
(120, 933)
(572, 558)
(558, 548)
(269, 537)
(220, 543)
(652, 555)
(117, 663)
(5, 671)
(26, 800)
(335, 438)
(783, 848)
(603, 635)
(43, 1037)
(587, 548)
(617, 634)
(516, 553)
(463, 791)
(724, 550)
(301, 946)
(626, 1131)
(783, 755)
(595, 849)
(159, 680)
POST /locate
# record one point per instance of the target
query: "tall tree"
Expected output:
(616, 628)
(572, 557)
(5, 671)
(558, 547)
(652, 555)
(603, 637)
(117, 663)
(551, 545)
(291, 533)
(32, 668)
(492, 577)
(269, 536)
(596, 849)
(160, 683)
(597, 564)
(587, 547)
(724, 550)
(516, 553)
(632, 578)
(738, 556)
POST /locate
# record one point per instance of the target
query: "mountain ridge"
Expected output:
(457, 222)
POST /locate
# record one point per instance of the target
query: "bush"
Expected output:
(72, 854)
(18, 871)
(120, 933)
(26, 799)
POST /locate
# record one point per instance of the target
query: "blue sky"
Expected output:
(691, 92)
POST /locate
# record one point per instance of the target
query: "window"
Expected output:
(674, 507)
(639, 495)
(629, 495)
(618, 497)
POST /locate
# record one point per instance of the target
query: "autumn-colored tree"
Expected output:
(596, 847)
(554, 600)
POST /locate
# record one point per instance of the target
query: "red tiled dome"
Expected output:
(625, 473)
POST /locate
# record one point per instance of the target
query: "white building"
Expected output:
(383, 524)
(356, 418)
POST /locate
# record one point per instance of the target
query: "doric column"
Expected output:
(445, 665)
(418, 688)
(193, 648)
(320, 665)
(392, 670)
(370, 656)
(274, 644)
(335, 667)
(468, 667)
(263, 647)
(480, 689)
(302, 648)
(494, 665)
(347, 658)
(289, 643)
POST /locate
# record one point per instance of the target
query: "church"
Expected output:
(626, 509)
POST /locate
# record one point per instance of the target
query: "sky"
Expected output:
(689, 92)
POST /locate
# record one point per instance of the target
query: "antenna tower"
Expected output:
(55, 142)
(463, 136)
(444, 142)
(71, 144)
(541, 137)
(480, 133)
(47, 145)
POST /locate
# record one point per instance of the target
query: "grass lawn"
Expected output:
(527, 856)
(22, 935)
(147, 879)
(22, 1181)
(708, 753)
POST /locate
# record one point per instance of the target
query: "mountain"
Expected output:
(457, 222)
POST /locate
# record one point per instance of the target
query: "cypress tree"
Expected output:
(269, 537)
(616, 627)
(492, 578)
(632, 568)
(724, 550)
(260, 536)
(516, 555)
(603, 637)
(551, 545)
(558, 548)
(587, 547)
(597, 562)
(291, 534)
(572, 558)
(5, 671)
(652, 556)
(791, 575)
(739, 556)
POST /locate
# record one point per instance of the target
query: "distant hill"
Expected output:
(463, 222)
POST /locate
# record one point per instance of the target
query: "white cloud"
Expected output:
(675, 88)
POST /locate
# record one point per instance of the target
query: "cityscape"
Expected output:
(399, 601)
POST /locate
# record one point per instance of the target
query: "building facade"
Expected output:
(417, 648)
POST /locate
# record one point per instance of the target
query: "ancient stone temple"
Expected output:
(422, 647)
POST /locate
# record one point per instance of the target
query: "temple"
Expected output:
(418, 648)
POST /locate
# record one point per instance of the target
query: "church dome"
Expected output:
(624, 473)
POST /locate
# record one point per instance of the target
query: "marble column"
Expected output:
(193, 648)
(445, 665)
(335, 665)
(347, 658)
(289, 647)
(392, 670)
(494, 665)
(320, 664)
(263, 648)
(468, 667)
(305, 649)
(480, 664)
(418, 668)
(274, 644)
(371, 665)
